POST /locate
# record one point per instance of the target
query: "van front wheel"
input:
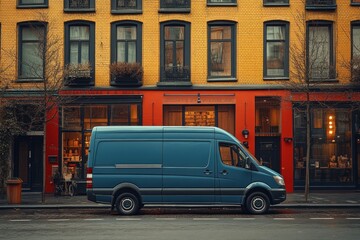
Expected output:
(127, 204)
(257, 203)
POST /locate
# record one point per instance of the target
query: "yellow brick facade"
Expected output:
(249, 16)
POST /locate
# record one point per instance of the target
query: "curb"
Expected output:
(100, 206)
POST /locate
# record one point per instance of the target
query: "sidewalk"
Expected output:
(32, 200)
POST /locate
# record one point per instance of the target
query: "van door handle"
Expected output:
(224, 172)
(207, 172)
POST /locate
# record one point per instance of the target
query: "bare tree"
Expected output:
(46, 65)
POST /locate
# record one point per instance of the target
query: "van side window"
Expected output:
(231, 155)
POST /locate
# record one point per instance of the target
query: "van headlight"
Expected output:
(279, 180)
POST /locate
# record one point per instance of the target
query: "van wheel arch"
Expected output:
(120, 191)
(257, 201)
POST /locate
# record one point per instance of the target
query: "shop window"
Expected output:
(126, 6)
(222, 116)
(124, 114)
(71, 118)
(32, 3)
(31, 60)
(331, 156)
(95, 116)
(221, 51)
(276, 50)
(320, 55)
(175, 53)
(267, 116)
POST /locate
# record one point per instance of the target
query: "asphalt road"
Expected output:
(181, 224)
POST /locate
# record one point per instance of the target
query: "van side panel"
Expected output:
(133, 162)
(188, 168)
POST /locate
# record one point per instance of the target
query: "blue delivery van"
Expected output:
(130, 167)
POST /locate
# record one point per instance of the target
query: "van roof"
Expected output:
(220, 133)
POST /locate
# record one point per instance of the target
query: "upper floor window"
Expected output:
(221, 51)
(79, 5)
(320, 4)
(80, 51)
(320, 55)
(32, 39)
(355, 2)
(32, 3)
(276, 2)
(126, 6)
(221, 2)
(175, 53)
(276, 49)
(355, 45)
(126, 52)
(175, 5)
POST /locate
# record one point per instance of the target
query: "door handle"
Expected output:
(207, 172)
(224, 172)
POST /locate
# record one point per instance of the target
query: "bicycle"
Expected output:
(63, 187)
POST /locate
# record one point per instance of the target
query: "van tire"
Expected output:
(257, 203)
(127, 204)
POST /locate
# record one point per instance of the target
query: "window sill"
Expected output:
(174, 10)
(31, 6)
(321, 8)
(276, 78)
(127, 11)
(174, 84)
(222, 79)
(276, 5)
(29, 80)
(79, 10)
(221, 4)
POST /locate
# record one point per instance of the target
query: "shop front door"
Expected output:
(267, 151)
(28, 161)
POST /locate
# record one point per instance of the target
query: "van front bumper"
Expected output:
(278, 196)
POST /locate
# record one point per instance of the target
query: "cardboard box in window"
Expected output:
(333, 164)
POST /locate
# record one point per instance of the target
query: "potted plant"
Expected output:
(125, 74)
(79, 74)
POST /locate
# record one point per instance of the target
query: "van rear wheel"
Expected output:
(257, 203)
(127, 204)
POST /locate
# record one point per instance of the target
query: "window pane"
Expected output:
(319, 51)
(275, 58)
(169, 53)
(95, 116)
(221, 58)
(74, 53)
(220, 32)
(79, 3)
(32, 1)
(126, 3)
(30, 34)
(71, 118)
(121, 52)
(79, 33)
(85, 52)
(174, 33)
(31, 61)
(126, 33)
(200, 116)
(131, 52)
(275, 33)
(356, 41)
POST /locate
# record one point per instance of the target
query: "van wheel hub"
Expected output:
(127, 204)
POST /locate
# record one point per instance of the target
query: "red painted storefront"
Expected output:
(153, 102)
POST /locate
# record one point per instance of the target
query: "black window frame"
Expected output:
(354, 67)
(217, 3)
(316, 5)
(175, 8)
(114, 26)
(352, 3)
(332, 61)
(20, 4)
(232, 40)
(91, 26)
(284, 3)
(21, 26)
(90, 9)
(136, 10)
(187, 51)
(286, 57)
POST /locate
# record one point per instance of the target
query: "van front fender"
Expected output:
(257, 186)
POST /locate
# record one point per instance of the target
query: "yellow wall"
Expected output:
(249, 15)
